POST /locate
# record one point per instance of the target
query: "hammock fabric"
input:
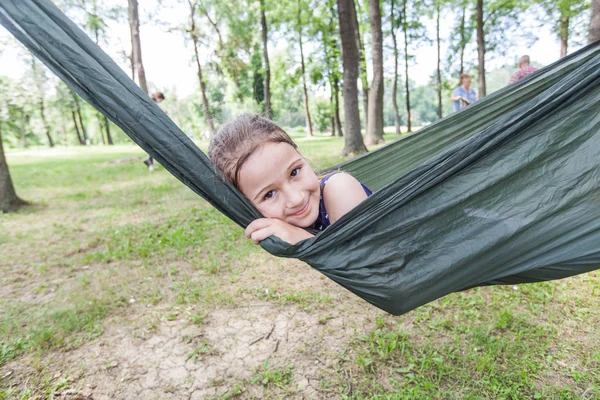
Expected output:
(506, 191)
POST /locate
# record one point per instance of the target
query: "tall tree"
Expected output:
(78, 112)
(325, 24)
(195, 36)
(267, 66)
(480, 47)
(375, 105)
(394, 24)
(39, 78)
(498, 27)
(438, 8)
(134, 25)
(563, 15)
(353, 141)
(406, 27)
(363, 61)
(594, 31)
(299, 26)
(9, 201)
(96, 25)
(460, 37)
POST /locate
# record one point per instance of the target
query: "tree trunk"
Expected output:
(406, 83)
(375, 119)
(108, 135)
(564, 35)
(331, 113)
(194, 37)
(46, 127)
(309, 129)
(22, 128)
(336, 99)
(362, 67)
(9, 201)
(134, 25)
(101, 125)
(81, 141)
(353, 141)
(481, 48)
(395, 81)
(86, 139)
(439, 56)
(594, 33)
(263, 24)
(463, 43)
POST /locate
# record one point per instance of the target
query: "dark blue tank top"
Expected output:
(323, 221)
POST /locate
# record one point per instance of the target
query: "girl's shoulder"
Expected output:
(341, 183)
(338, 178)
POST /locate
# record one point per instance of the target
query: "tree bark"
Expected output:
(134, 25)
(462, 39)
(86, 139)
(331, 113)
(353, 141)
(81, 141)
(406, 83)
(395, 81)
(375, 119)
(480, 48)
(263, 24)
(46, 127)
(594, 32)
(109, 138)
(9, 201)
(336, 99)
(194, 37)
(564, 35)
(439, 56)
(309, 129)
(362, 67)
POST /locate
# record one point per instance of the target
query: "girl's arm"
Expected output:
(342, 193)
(262, 228)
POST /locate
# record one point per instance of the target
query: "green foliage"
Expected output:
(268, 376)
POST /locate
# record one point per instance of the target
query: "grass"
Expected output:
(106, 241)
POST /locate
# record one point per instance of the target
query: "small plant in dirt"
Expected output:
(199, 318)
(269, 376)
(200, 350)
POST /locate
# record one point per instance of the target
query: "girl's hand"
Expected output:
(262, 228)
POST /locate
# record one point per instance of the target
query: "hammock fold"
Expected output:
(505, 191)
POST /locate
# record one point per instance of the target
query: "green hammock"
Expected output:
(506, 191)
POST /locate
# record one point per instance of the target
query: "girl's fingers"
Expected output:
(257, 224)
(261, 234)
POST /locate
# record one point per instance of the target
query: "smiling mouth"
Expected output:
(302, 211)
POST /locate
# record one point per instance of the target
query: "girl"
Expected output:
(263, 162)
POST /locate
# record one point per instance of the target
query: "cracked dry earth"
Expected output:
(182, 360)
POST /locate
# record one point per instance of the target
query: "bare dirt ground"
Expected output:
(117, 284)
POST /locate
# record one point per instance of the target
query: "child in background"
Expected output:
(263, 162)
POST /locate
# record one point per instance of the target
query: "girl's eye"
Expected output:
(295, 172)
(269, 194)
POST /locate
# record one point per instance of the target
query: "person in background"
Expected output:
(463, 95)
(157, 97)
(524, 70)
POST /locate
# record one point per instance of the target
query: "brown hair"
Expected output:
(158, 96)
(463, 77)
(236, 141)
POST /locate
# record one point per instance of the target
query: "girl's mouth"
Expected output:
(302, 211)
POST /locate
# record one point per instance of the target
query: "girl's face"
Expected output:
(280, 184)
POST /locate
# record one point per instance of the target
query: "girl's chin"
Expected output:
(306, 222)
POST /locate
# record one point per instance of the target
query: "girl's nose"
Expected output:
(294, 199)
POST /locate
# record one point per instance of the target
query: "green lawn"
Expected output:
(109, 252)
